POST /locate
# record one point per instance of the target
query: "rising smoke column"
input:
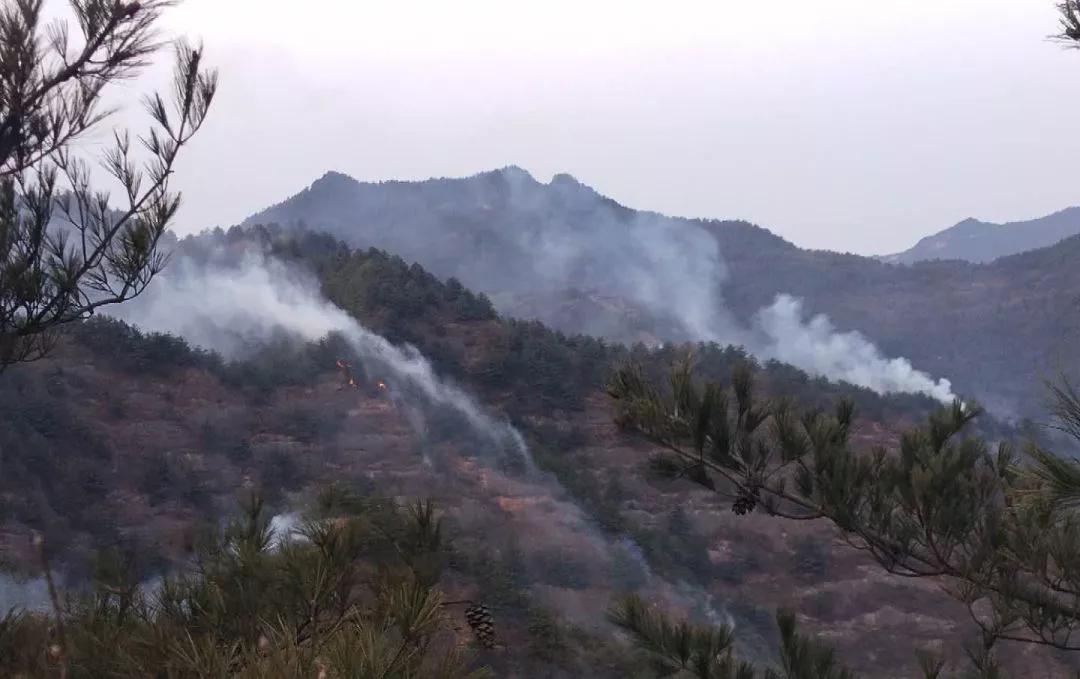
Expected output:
(231, 307)
(815, 346)
(674, 269)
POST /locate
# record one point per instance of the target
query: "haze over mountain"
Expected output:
(164, 432)
(580, 262)
(783, 112)
(976, 241)
(636, 411)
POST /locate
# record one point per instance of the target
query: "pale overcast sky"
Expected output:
(856, 125)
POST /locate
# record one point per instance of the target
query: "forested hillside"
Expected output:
(166, 433)
(498, 427)
(546, 250)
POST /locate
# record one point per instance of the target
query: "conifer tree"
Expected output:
(1070, 21)
(351, 592)
(998, 527)
(66, 247)
(707, 651)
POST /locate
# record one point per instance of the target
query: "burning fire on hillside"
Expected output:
(346, 368)
(350, 380)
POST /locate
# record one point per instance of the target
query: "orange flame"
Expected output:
(346, 368)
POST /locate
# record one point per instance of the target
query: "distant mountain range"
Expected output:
(975, 241)
(580, 262)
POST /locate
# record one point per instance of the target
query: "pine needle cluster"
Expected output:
(352, 592)
(995, 523)
(66, 247)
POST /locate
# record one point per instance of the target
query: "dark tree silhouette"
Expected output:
(1070, 22)
(66, 248)
(998, 528)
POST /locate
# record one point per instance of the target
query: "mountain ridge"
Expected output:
(332, 179)
(980, 242)
(994, 329)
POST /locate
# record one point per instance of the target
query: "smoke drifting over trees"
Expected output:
(538, 248)
(235, 304)
(818, 348)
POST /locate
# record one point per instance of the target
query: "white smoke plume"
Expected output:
(230, 307)
(31, 595)
(564, 254)
(815, 346)
(675, 269)
(782, 332)
(285, 527)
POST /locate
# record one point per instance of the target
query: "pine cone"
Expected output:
(743, 505)
(483, 625)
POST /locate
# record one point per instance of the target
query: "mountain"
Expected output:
(975, 241)
(132, 440)
(581, 263)
(135, 441)
(525, 244)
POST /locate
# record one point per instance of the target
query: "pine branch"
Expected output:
(939, 506)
